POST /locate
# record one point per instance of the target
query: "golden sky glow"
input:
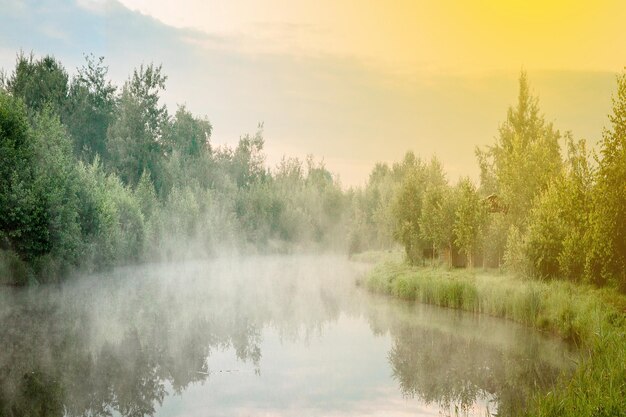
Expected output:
(411, 37)
(351, 81)
(377, 78)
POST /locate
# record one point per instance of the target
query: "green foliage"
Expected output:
(187, 134)
(23, 218)
(184, 202)
(437, 213)
(296, 206)
(128, 233)
(146, 196)
(547, 231)
(524, 159)
(494, 239)
(557, 234)
(407, 209)
(597, 388)
(97, 216)
(313, 204)
(438, 217)
(89, 110)
(56, 180)
(371, 211)
(607, 257)
(245, 165)
(324, 204)
(135, 136)
(13, 271)
(488, 179)
(258, 210)
(515, 260)
(39, 83)
(574, 312)
(470, 215)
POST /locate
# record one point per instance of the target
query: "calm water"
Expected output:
(260, 336)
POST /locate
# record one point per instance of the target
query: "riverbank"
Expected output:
(592, 318)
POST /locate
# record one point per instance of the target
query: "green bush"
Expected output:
(13, 270)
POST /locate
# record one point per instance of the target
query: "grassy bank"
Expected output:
(594, 319)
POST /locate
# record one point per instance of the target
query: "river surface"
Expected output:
(258, 336)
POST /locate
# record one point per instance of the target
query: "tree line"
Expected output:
(545, 205)
(94, 175)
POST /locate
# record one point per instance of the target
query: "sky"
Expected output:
(352, 82)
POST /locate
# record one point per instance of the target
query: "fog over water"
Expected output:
(258, 336)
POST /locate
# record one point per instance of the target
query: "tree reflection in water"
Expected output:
(120, 343)
(468, 365)
(49, 365)
(112, 343)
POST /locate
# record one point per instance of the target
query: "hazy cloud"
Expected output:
(350, 114)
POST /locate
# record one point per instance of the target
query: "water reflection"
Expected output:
(283, 336)
(467, 364)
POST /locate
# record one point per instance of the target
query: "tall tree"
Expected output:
(39, 82)
(23, 217)
(89, 110)
(135, 137)
(607, 258)
(525, 157)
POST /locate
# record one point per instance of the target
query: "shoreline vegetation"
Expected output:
(96, 175)
(592, 318)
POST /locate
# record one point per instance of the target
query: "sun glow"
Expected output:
(416, 36)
